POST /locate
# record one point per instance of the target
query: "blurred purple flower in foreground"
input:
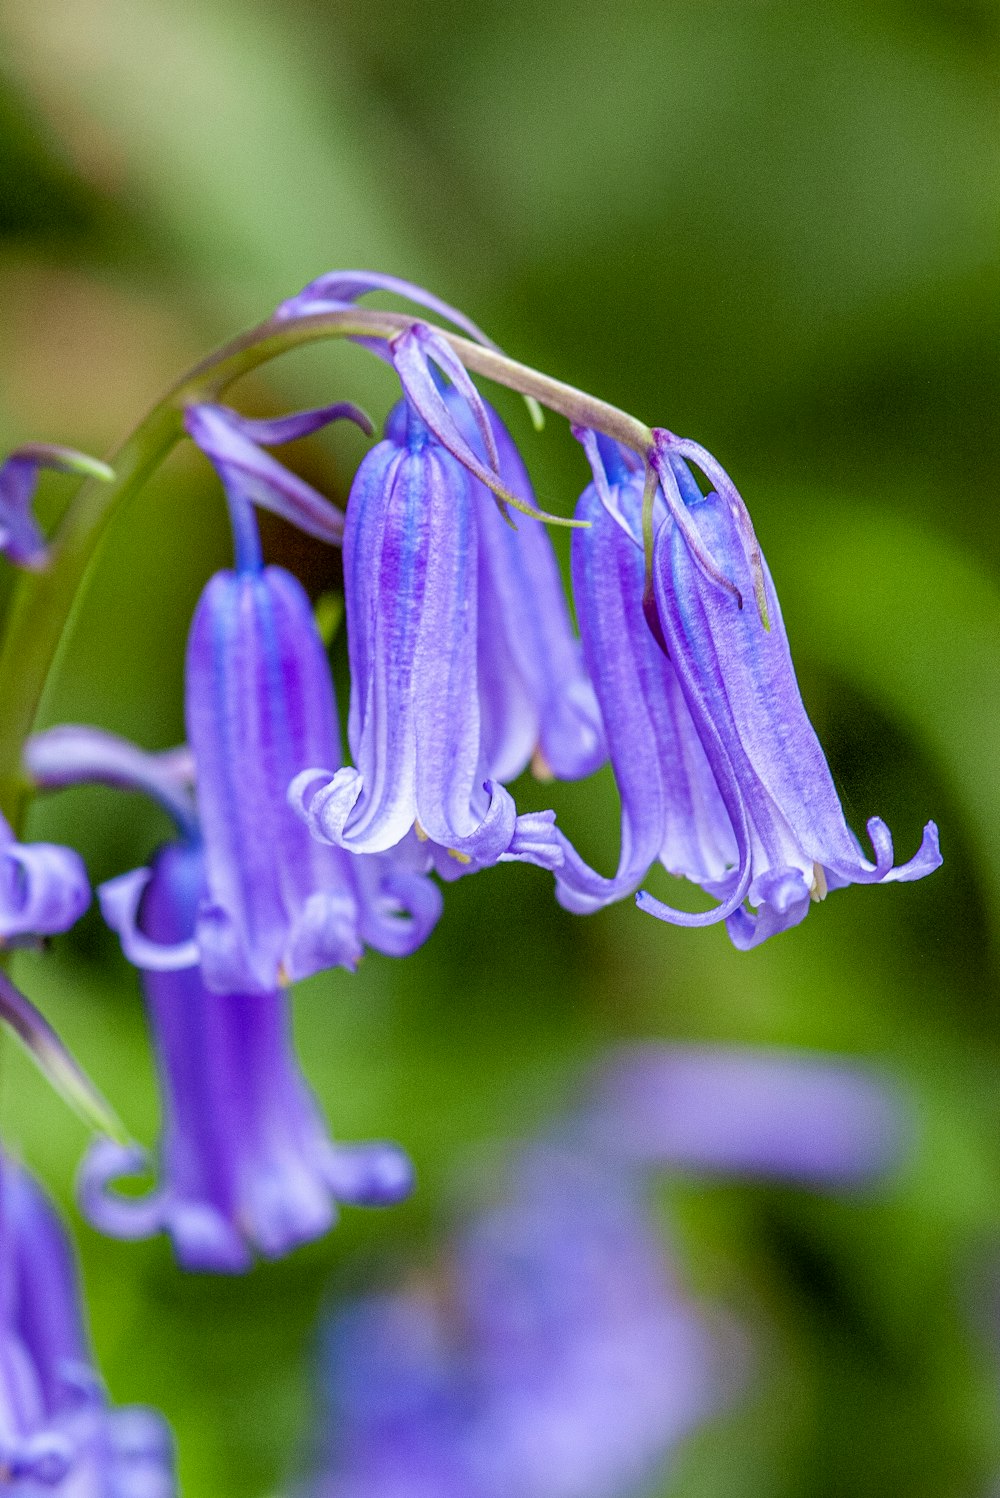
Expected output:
(58, 1434)
(558, 1354)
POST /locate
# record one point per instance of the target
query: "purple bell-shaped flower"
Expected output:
(736, 674)
(671, 809)
(721, 776)
(245, 1164)
(413, 562)
(277, 905)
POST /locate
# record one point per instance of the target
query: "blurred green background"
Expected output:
(772, 226)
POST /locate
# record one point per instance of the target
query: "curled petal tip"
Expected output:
(325, 800)
(927, 858)
(370, 1175)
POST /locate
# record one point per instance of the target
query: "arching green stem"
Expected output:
(44, 601)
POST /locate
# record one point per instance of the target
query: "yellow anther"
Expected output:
(817, 890)
(421, 834)
(459, 857)
(540, 766)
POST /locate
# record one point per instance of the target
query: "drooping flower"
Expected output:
(245, 1164)
(277, 906)
(21, 539)
(671, 808)
(720, 774)
(58, 1434)
(735, 671)
(412, 565)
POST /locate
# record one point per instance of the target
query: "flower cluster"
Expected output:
(287, 859)
(465, 670)
(556, 1353)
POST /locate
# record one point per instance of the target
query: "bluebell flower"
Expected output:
(277, 905)
(58, 1433)
(21, 539)
(720, 773)
(722, 629)
(671, 808)
(413, 558)
(536, 701)
(245, 1164)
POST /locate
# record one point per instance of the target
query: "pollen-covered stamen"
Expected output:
(659, 457)
(818, 889)
(540, 767)
(727, 490)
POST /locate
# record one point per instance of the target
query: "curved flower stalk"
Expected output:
(58, 1434)
(245, 1164)
(411, 571)
(277, 906)
(470, 820)
(21, 539)
(735, 671)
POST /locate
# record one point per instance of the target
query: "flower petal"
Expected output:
(413, 352)
(672, 809)
(250, 475)
(21, 540)
(44, 889)
(120, 899)
(75, 754)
